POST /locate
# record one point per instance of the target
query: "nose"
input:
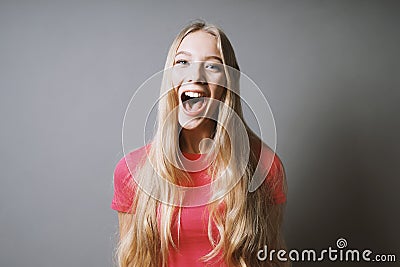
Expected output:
(196, 73)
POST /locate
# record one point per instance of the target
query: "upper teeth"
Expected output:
(193, 94)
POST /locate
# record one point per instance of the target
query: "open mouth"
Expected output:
(193, 101)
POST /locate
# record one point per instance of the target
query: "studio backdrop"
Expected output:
(68, 69)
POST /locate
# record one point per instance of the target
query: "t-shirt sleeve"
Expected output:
(124, 187)
(276, 179)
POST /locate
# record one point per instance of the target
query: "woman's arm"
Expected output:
(124, 221)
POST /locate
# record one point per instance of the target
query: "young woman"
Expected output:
(199, 114)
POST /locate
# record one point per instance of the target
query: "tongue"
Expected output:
(193, 104)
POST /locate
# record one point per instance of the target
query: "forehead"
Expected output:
(199, 43)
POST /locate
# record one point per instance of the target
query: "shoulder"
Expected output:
(277, 166)
(276, 180)
(270, 161)
(127, 166)
(263, 155)
(270, 171)
(124, 185)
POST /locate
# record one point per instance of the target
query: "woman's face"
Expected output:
(198, 76)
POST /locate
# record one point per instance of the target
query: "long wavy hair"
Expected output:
(248, 221)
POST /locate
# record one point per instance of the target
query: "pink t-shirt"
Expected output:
(193, 237)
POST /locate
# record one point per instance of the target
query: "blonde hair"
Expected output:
(248, 222)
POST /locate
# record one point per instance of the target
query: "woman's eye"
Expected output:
(214, 67)
(181, 62)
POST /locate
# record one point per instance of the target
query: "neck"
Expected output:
(190, 139)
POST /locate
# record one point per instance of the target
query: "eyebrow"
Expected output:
(208, 57)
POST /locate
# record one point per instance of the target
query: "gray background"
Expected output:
(330, 70)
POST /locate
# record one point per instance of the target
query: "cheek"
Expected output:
(176, 77)
(218, 92)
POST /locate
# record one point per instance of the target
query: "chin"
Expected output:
(190, 124)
